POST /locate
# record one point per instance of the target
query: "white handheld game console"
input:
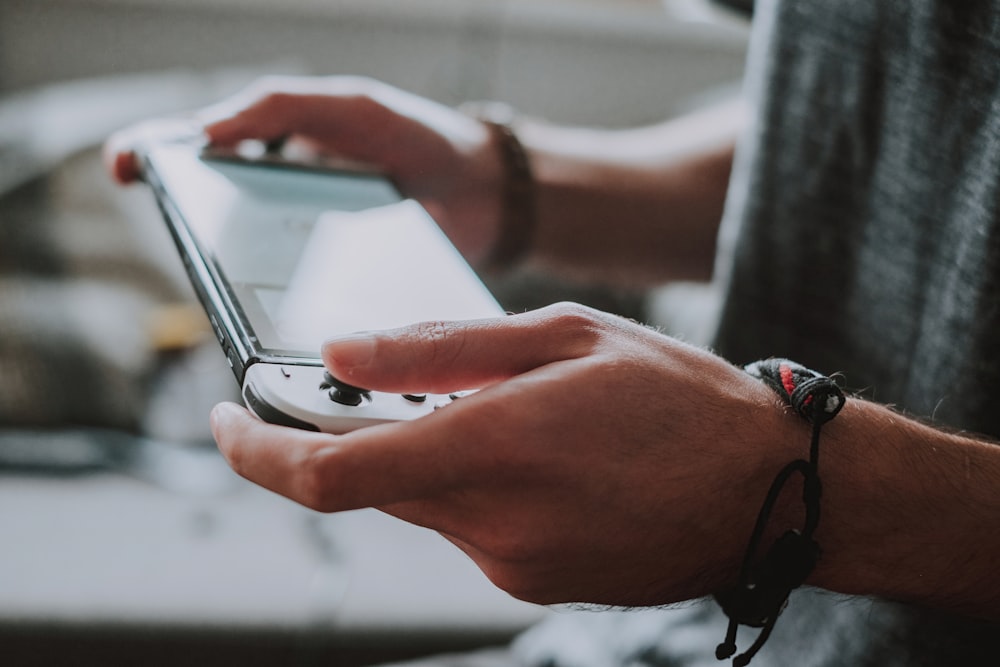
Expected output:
(284, 256)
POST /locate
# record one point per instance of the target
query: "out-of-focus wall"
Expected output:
(574, 61)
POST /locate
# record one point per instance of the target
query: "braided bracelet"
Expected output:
(765, 584)
(518, 214)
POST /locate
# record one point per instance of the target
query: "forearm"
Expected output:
(909, 512)
(633, 206)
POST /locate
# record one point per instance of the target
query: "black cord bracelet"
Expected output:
(765, 583)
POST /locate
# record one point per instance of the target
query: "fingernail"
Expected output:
(352, 351)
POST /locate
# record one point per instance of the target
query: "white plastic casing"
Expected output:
(300, 392)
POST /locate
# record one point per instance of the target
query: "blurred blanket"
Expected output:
(83, 270)
(88, 274)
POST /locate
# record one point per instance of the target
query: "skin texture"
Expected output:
(582, 461)
(601, 461)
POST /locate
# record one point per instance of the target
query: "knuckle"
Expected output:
(277, 101)
(368, 105)
(580, 324)
(441, 340)
(573, 316)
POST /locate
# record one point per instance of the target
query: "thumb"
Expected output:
(447, 356)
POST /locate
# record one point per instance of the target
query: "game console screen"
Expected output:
(311, 254)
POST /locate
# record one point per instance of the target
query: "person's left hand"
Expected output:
(601, 461)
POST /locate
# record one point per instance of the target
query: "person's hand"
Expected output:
(601, 462)
(437, 155)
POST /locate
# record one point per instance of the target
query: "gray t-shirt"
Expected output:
(864, 226)
(865, 208)
(862, 235)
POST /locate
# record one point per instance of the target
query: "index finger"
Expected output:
(375, 466)
(331, 111)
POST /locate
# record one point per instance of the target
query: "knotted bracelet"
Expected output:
(764, 584)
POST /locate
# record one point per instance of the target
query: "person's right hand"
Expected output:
(435, 154)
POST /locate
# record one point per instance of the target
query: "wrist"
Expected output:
(772, 567)
(855, 470)
(909, 513)
(515, 212)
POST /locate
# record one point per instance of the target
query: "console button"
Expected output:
(348, 398)
(343, 393)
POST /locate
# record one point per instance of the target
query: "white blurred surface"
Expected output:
(215, 551)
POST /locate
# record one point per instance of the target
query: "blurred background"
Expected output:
(126, 540)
